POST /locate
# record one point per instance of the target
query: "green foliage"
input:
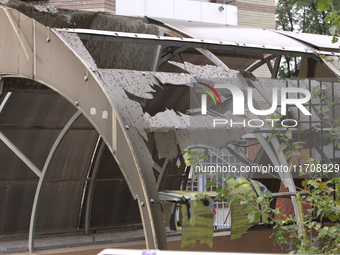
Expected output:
(307, 16)
(309, 234)
(333, 17)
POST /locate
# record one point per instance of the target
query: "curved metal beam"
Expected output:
(276, 66)
(170, 55)
(91, 189)
(213, 58)
(89, 172)
(260, 63)
(42, 178)
(161, 173)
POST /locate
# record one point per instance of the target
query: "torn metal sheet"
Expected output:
(135, 82)
(173, 78)
(171, 129)
(192, 130)
(140, 84)
(166, 144)
(130, 111)
(77, 45)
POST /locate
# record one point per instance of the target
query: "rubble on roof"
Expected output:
(213, 72)
(130, 90)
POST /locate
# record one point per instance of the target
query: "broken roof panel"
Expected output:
(185, 130)
(322, 42)
(236, 34)
(77, 45)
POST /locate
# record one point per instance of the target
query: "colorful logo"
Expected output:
(204, 97)
(238, 96)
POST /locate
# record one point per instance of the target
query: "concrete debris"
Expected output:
(129, 111)
(130, 91)
(46, 9)
(137, 83)
(171, 129)
(210, 71)
(173, 78)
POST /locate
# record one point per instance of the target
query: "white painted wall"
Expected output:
(179, 9)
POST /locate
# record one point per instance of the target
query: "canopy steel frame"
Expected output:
(161, 173)
(54, 63)
(171, 55)
(11, 146)
(48, 58)
(88, 34)
(276, 66)
(22, 156)
(42, 178)
(158, 56)
(99, 147)
(260, 63)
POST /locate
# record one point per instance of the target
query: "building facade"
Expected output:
(250, 13)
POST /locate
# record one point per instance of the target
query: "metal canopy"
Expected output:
(100, 133)
(320, 42)
(50, 58)
(223, 43)
(235, 34)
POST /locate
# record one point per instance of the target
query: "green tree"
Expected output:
(302, 16)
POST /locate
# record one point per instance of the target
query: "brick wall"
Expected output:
(252, 150)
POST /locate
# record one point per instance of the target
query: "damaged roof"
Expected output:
(135, 92)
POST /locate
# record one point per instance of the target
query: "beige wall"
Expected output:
(258, 14)
(251, 13)
(254, 13)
